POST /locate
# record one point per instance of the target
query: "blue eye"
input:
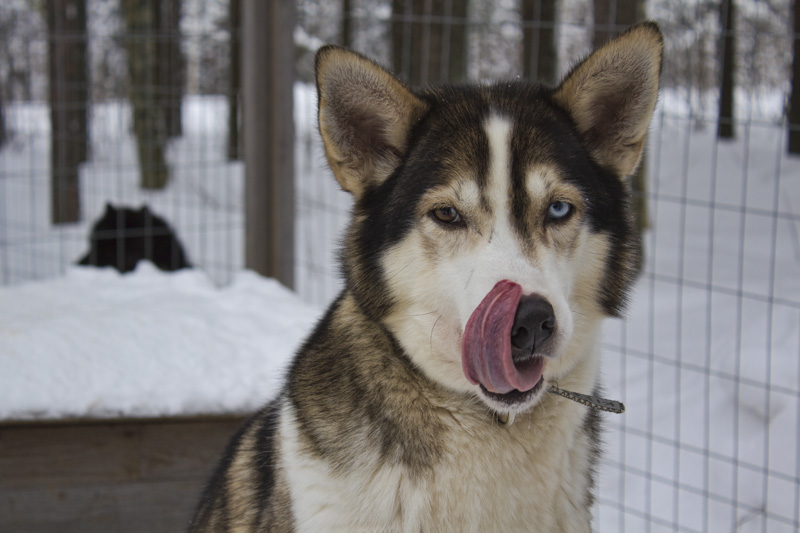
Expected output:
(559, 210)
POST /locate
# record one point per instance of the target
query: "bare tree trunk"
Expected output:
(613, 16)
(234, 91)
(148, 117)
(539, 57)
(429, 40)
(727, 44)
(2, 118)
(170, 65)
(69, 94)
(794, 99)
(604, 21)
(347, 23)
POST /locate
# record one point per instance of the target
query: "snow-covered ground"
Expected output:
(708, 361)
(99, 344)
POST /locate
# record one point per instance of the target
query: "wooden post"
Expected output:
(268, 77)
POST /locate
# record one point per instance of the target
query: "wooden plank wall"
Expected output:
(137, 476)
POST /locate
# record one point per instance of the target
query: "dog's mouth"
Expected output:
(488, 358)
(514, 397)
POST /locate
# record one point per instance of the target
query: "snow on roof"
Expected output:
(99, 344)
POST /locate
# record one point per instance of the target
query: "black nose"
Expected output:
(534, 324)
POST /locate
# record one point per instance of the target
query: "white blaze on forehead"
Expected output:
(498, 132)
(503, 256)
(499, 255)
(504, 248)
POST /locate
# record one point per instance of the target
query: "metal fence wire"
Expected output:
(121, 104)
(708, 359)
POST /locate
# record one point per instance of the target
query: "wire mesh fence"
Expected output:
(708, 360)
(139, 119)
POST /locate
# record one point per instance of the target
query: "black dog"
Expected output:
(123, 236)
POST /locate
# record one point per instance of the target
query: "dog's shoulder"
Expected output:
(351, 387)
(246, 490)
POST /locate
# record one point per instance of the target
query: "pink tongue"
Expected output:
(486, 346)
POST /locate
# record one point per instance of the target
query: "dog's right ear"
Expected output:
(365, 115)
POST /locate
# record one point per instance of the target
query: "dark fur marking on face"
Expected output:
(448, 141)
(452, 134)
(607, 205)
(544, 134)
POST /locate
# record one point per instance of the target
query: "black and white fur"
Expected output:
(456, 188)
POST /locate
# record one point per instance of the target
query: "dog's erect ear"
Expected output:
(612, 94)
(365, 115)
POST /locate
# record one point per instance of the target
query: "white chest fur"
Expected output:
(531, 476)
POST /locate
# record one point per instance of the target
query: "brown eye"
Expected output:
(447, 215)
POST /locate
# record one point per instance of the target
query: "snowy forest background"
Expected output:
(148, 112)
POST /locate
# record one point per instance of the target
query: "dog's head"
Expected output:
(491, 227)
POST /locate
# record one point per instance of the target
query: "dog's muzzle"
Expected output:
(506, 341)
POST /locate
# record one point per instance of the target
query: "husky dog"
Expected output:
(490, 236)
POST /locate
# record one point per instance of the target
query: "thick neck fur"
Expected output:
(448, 459)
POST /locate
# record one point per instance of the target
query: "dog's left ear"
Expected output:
(611, 96)
(365, 115)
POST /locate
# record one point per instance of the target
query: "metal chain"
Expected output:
(603, 404)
